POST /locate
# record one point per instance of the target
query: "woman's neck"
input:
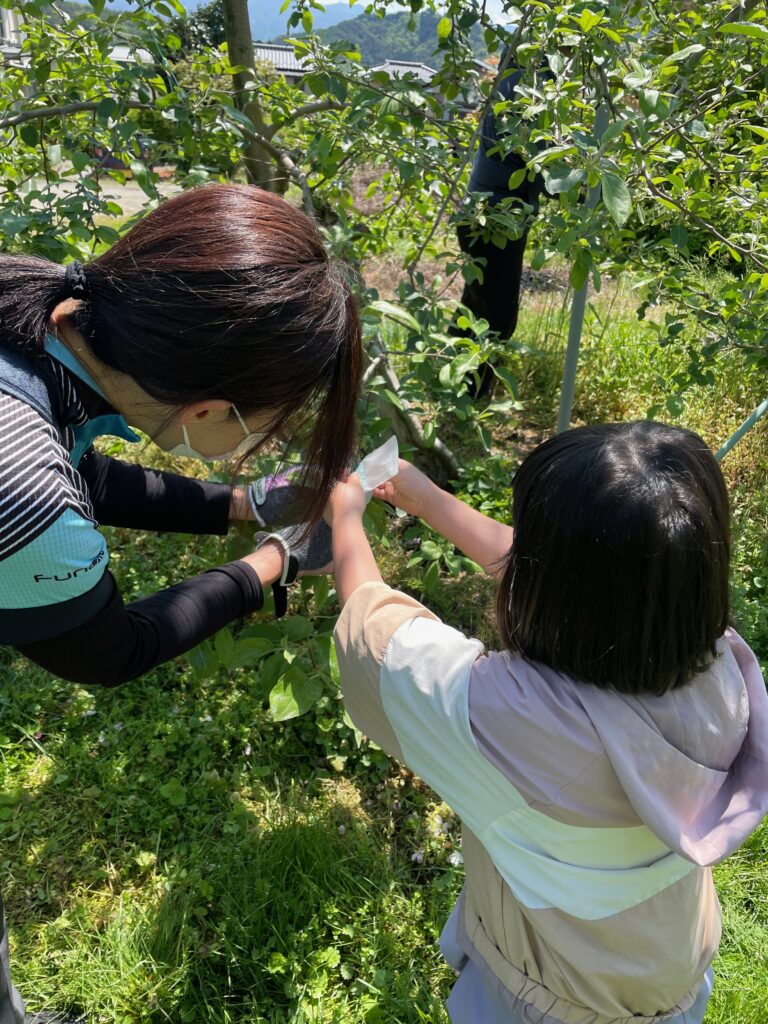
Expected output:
(121, 391)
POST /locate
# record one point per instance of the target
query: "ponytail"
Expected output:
(30, 290)
(222, 292)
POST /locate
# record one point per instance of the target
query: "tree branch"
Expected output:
(405, 422)
(67, 108)
(283, 159)
(661, 194)
(305, 111)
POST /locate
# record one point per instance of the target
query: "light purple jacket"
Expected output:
(591, 818)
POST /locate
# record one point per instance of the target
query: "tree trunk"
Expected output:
(259, 165)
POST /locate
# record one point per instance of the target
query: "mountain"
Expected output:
(379, 39)
(266, 19)
(267, 22)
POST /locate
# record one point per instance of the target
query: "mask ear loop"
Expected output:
(246, 429)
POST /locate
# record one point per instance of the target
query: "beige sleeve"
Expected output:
(369, 620)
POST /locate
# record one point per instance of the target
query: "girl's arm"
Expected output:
(353, 561)
(483, 539)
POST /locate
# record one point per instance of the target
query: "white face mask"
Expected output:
(186, 451)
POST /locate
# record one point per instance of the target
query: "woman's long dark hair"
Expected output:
(223, 291)
(618, 572)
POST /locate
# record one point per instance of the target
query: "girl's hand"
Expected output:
(346, 498)
(410, 490)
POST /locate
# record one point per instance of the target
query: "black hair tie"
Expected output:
(75, 281)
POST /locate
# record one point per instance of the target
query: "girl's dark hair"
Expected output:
(223, 291)
(618, 571)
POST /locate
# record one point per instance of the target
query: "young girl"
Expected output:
(601, 762)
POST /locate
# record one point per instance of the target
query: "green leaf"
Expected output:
(144, 178)
(680, 55)
(517, 178)
(271, 670)
(393, 312)
(507, 379)
(431, 577)
(444, 28)
(744, 28)
(224, 645)
(297, 627)
(30, 135)
(649, 100)
(238, 116)
(613, 36)
(392, 398)
(580, 269)
(106, 109)
(80, 161)
(616, 196)
(204, 660)
(639, 75)
(294, 694)
(320, 589)
(538, 259)
(589, 19)
(333, 664)
(306, 21)
(758, 129)
(174, 793)
(679, 236)
(430, 550)
(463, 365)
(563, 180)
(247, 651)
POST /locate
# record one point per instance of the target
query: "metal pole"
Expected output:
(578, 306)
(745, 427)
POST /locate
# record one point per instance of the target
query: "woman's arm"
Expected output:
(121, 642)
(128, 495)
(483, 539)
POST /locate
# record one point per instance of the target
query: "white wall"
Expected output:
(10, 27)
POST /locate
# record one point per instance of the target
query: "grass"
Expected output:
(168, 852)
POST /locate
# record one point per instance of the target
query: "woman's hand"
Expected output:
(411, 490)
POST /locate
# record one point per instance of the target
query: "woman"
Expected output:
(217, 324)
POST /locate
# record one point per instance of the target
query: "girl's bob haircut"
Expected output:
(618, 571)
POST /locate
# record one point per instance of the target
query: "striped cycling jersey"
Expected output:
(51, 551)
(59, 603)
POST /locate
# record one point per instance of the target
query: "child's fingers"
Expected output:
(387, 496)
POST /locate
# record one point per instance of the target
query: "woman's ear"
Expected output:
(215, 410)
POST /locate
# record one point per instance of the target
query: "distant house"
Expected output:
(10, 43)
(283, 59)
(400, 68)
(10, 35)
(130, 55)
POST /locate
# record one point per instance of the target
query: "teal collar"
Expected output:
(62, 355)
(109, 421)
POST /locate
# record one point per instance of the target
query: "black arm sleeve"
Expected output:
(132, 496)
(123, 641)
